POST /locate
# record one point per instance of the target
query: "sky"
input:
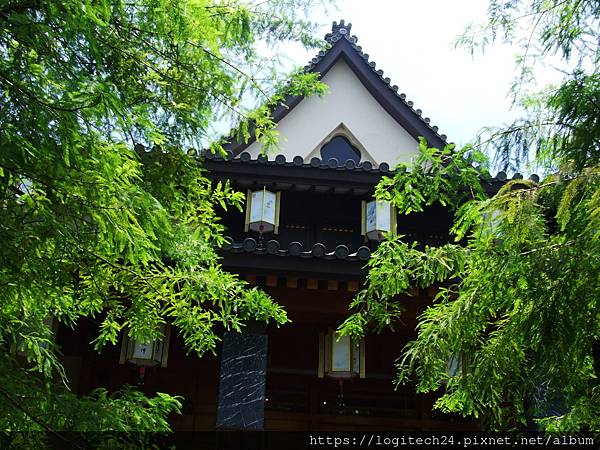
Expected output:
(412, 41)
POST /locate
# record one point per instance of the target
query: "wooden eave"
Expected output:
(316, 176)
(359, 181)
(302, 267)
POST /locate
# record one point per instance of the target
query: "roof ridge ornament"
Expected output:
(339, 31)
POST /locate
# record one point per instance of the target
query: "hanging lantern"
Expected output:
(378, 217)
(262, 211)
(454, 366)
(491, 225)
(341, 356)
(146, 354)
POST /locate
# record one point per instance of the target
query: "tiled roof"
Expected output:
(318, 250)
(299, 161)
(332, 164)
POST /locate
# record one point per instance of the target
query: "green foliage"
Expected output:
(93, 225)
(447, 176)
(99, 420)
(519, 298)
(577, 103)
(520, 303)
(395, 269)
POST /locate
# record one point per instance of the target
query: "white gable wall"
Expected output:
(347, 101)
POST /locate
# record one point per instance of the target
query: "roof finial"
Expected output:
(339, 31)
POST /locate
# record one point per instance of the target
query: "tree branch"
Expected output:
(45, 426)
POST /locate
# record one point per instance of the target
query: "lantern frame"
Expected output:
(356, 356)
(491, 225)
(247, 223)
(128, 348)
(454, 365)
(379, 232)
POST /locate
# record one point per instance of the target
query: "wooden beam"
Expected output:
(353, 286)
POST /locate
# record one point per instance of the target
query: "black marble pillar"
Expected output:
(242, 382)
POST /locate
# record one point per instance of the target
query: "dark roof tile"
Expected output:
(334, 164)
(318, 250)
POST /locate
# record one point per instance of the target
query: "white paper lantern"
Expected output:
(454, 366)
(491, 224)
(378, 217)
(146, 354)
(341, 356)
(262, 211)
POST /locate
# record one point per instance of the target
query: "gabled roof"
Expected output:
(344, 47)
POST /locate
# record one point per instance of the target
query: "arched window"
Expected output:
(341, 149)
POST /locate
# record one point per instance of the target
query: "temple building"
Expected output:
(309, 227)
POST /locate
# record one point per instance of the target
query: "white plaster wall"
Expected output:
(347, 101)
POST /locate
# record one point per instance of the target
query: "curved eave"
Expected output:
(303, 266)
(281, 174)
(318, 250)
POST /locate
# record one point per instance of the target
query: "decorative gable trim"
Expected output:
(344, 46)
(342, 130)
